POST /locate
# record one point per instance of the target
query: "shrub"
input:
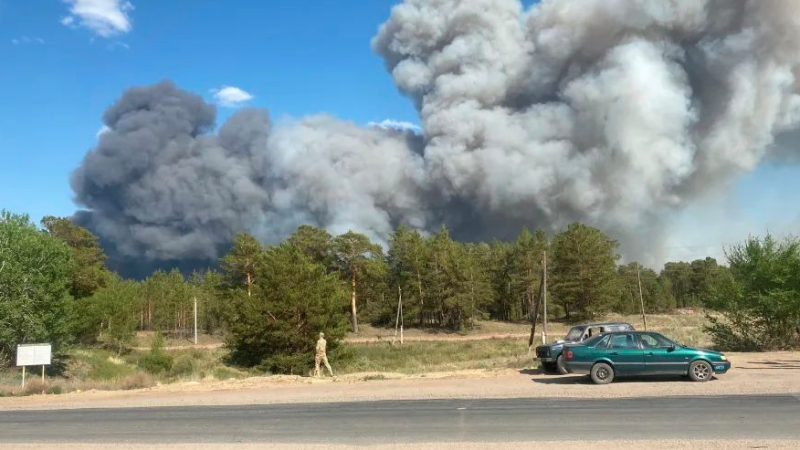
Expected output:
(184, 365)
(157, 361)
(760, 306)
(136, 381)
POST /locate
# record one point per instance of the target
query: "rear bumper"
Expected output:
(578, 368)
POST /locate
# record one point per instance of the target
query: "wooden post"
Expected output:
(23, 378)
(641, 297)
(42, 374)
(544, 297)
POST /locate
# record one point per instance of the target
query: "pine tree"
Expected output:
(584, 271)
(239, 265)
(353, 253)
(277, 325)
(407, 257)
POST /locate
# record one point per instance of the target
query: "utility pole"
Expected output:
(641, 297)
(402, 319)
(544, 297)
(195, 321)
(397, 323)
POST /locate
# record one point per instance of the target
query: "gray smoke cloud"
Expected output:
(614, 112)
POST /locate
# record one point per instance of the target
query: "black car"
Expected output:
(549, 355)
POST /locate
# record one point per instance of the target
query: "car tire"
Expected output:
(700, 371)
(560, 365)
(602, 373)
(549, 367)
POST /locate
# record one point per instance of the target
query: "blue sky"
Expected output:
(296, 57)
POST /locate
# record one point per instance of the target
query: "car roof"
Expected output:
(601, 324)
(632, 332)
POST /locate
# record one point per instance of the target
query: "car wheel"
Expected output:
(560, 365)
(549, 367)
(602, 373)
(700, 371)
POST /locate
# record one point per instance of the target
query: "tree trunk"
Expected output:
(249, 284)
(353, 309)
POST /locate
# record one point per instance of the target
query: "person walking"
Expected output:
(321, 356)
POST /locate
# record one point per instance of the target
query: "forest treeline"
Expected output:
(270, 301)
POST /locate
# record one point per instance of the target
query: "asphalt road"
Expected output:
(744, 417)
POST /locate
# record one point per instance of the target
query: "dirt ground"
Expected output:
(752, 373)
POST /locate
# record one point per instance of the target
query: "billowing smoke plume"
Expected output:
(615, 112)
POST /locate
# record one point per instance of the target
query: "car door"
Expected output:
(661, 356)
(624, 351)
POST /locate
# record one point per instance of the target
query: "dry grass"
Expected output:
(434, 356)
(685, 328)
(491, 345)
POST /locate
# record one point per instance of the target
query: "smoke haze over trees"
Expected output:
(614, 113)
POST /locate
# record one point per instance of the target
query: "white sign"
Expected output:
(33, 354)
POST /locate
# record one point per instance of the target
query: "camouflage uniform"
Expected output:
(321, 356)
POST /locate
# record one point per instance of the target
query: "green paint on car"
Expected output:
(640, 353)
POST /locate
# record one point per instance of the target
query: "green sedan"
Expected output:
(638, 353)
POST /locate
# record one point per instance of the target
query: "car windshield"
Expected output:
(574, 334)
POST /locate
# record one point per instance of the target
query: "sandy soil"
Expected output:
(568, 445)
(752, 373)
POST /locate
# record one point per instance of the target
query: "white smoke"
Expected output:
(614, 112)
(610, 111)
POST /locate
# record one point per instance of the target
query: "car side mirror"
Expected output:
(671, 348)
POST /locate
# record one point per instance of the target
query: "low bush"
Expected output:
(156, 361)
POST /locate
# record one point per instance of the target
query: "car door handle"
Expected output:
(649, 354)
(614, 354)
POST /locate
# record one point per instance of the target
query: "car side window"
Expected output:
(654, 341)
(623, 341)
(603, 342)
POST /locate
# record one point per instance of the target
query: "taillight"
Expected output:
(568, 354)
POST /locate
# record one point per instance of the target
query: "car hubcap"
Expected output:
(602, 374)
(701, 371)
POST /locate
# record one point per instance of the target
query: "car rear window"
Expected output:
(597, 341)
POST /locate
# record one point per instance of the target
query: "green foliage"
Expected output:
(406, 259)
(35, 276)
(88, 259)
(293, 300)
(584, 271)
(761, 300)
(167, 303)
(97, 365)
(354, 256)
(112, 313)
(240, 265)
(654, 293)
(525, 273)
(457, 281)
(212, 311)
(157, 361)
(316, 243)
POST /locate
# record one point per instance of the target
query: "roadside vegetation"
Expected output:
(157, 360)
(268, 304)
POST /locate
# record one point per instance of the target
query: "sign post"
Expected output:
(33, 355)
